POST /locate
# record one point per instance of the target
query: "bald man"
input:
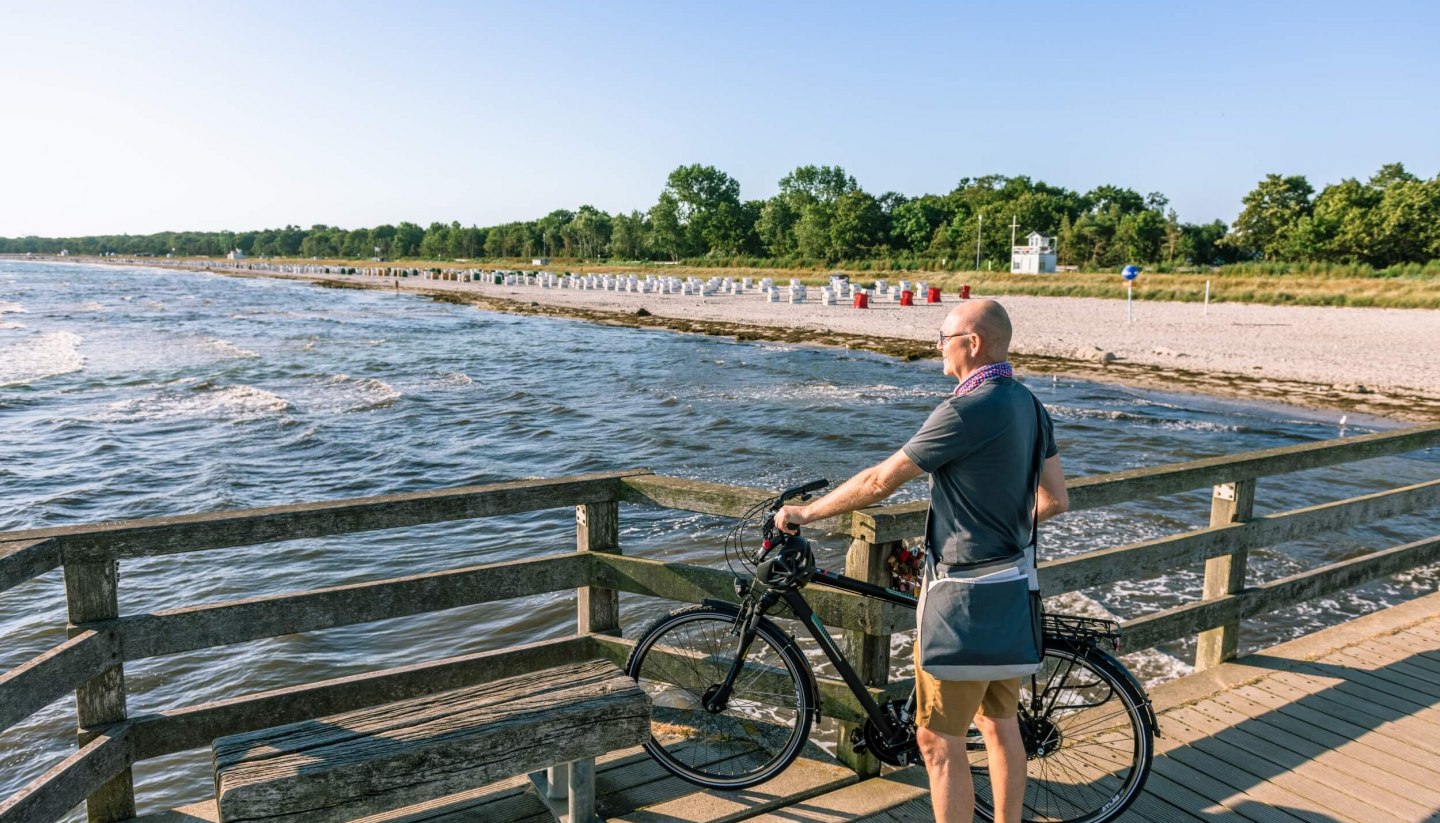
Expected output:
(978, 447)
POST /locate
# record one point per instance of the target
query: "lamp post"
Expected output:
(978, 225)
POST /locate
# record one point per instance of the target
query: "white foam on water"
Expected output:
(8, 326)
(202, 400)
(12, 308)
(41, 356)
(457, 378)
(869, 395)
(1062, 412)
(343, 393)
(227, 348)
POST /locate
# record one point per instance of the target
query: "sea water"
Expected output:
(131, 392)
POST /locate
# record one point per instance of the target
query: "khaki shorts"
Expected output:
(948, 706)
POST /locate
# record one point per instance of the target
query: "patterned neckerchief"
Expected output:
(993, 371)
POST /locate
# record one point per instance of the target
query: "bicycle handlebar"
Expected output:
(804, 488)
(771, 536)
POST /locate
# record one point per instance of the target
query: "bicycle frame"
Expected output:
(800, 607)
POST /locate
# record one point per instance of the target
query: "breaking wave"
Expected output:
(36, 358)
(201, 401)
(227, 348)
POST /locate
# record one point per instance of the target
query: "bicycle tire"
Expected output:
(765, 723)
(1097, 735)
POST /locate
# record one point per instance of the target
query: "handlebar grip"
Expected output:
(805, 488)
(812, 486)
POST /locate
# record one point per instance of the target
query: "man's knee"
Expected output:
(938, 749)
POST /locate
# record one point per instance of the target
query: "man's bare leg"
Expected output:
(952, 794)
(1005, 751)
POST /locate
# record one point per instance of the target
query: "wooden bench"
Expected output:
(395, 755)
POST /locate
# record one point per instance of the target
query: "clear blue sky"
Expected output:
(142, 117)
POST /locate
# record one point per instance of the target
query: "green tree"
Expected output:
(856, 226)
(589, 233)
(435, 244)
(667, 233)
(1271, 213)
(552, 231)
(406, 242)
(707, 210)
(628, 236)
(913, 223)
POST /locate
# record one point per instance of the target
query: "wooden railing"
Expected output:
(101, 639)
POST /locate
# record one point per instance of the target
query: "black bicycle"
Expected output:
(735, 699)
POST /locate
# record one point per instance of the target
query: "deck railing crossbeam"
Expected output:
(238, 621)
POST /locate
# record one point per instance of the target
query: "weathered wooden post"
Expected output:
(597, 529)
(92, 592)
(1225, 575)
(868, 653)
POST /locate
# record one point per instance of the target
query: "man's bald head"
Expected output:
(988, 320)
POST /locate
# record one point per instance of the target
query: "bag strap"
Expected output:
(1032, 551)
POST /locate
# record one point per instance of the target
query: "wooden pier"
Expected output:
(1339, 726)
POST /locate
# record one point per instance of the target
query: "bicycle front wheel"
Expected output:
(685, 657)
(1088, 742)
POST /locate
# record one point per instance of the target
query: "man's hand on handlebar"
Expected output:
(789, 519)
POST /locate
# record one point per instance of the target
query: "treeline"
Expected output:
(821, 215)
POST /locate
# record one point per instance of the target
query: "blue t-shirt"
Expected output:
(979, 450)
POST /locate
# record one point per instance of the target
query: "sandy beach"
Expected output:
(1380, 362)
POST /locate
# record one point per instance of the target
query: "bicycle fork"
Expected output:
(717, 697)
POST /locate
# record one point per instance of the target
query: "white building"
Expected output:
(235, 254)
(1036, 257)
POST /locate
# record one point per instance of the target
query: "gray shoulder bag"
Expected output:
(984, 625)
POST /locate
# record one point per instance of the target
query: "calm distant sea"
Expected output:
(134, 393)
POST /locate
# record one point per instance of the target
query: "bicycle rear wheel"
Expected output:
(760, 730)
(1088, 742)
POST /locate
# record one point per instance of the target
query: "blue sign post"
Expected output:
(1130, 273)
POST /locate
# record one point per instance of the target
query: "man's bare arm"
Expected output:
(1052, 498)
(864, 489)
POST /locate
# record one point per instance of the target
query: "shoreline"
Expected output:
(1273, 354)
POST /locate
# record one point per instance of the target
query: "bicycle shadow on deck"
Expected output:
(1268, 750)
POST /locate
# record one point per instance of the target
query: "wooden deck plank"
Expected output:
(1195, 751)
(1366, 687)
(1429, 630)
(915, 811)
(1333, 745)
(1398, 644)
(1393, 672)
(1413, 665)
(1172, 792)
(1384, 744)
(1362, 702)
(1418, 641)
(1296, 771)
(803, 780)
(1408, 649)
(1232, 740)
(867, 800)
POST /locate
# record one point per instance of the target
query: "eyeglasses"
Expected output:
(944, 337)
